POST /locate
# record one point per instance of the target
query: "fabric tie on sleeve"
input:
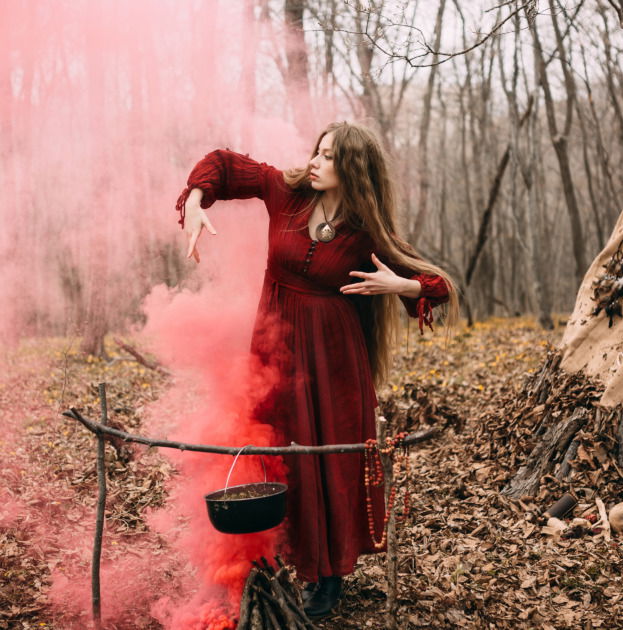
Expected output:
(424, 314)
(180, 206)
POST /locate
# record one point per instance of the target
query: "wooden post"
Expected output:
(392, 546)
(101, 507)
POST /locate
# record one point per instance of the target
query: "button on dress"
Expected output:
(313, 336)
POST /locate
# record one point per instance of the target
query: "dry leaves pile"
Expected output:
(469, 556)
(47, 466)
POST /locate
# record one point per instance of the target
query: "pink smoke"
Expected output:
(105, 106)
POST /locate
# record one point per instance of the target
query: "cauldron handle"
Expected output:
(231, 469)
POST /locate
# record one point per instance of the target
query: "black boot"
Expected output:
(324, 598)
(308, 591)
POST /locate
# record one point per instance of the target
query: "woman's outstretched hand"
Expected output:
(196, 219)
(382, 281)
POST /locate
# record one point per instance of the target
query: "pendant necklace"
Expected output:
(325, 231)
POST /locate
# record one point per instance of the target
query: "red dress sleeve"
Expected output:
(434, 292)
(223, 174)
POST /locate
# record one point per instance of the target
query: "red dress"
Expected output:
(313, 334)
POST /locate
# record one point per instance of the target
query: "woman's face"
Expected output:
(322, 175)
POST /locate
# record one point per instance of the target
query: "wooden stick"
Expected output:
(294, 593)
(150, 365)
(291, 612)
(267, 566)
(245, 601)
(269, 617)
(294, 448)
(280, 604)
(283, 594)
(256, 617)
(101, 508)
(392, 547)
(277, 596)
(281, 591)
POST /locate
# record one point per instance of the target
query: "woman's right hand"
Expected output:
(196, 219)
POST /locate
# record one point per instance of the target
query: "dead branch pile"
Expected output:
(555, 428)
(271, 600)
(419, 406)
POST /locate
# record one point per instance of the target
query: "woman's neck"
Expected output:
(331, 200)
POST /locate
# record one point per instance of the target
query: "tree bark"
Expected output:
(550, 449)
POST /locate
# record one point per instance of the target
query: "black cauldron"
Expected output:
(248, 508)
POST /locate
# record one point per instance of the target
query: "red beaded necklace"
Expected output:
(373, 476)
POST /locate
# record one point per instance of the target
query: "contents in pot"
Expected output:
(248, 492)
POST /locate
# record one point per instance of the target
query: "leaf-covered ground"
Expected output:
(469, 557)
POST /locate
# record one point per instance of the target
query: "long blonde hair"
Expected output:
(368, 203)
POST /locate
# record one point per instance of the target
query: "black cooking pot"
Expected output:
(248, 508)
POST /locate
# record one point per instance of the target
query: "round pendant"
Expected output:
(325, 232)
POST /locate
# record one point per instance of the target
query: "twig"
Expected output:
(618, 9)
(150, 365)
(294, 448)
(292, 609)
(427, 49)
(101, 507)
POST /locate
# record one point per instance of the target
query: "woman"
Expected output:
(327, 310)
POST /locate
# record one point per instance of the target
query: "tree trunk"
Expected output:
(539, 271)
(96, 324)
(247, 77)
(559, 141)
(297, 75)
(424, 171)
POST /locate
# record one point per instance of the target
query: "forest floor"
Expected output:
(469, 557)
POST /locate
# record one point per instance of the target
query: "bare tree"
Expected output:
(423, 170)
(560, 135)
(297, 74)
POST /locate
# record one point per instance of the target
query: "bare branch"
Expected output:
(619, 10)
(428, 50)
(151, 365)
(100, 429)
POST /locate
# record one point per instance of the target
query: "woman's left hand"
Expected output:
(381, 281)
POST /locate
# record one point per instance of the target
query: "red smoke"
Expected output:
(205, 338)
